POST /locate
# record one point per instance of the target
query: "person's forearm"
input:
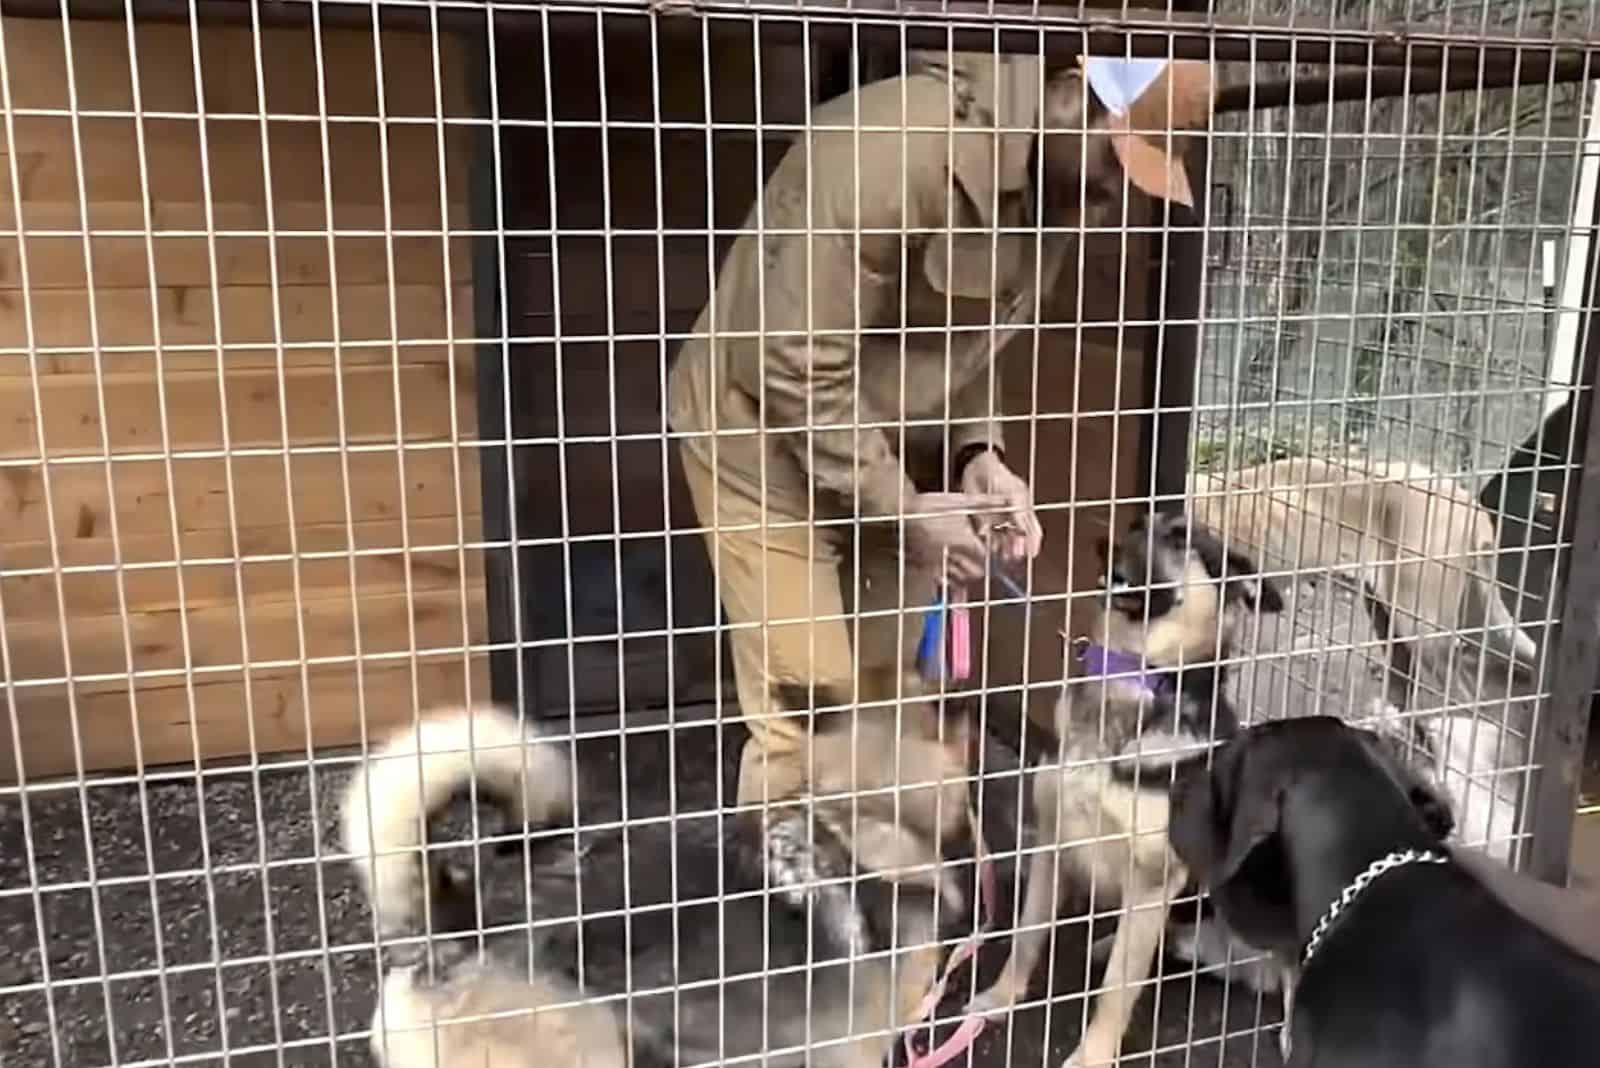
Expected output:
(975, 415)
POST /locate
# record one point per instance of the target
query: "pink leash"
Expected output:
(960, 637)
(959, 652)
(972, 1024)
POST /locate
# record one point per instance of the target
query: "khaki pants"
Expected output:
(795, 584)
(786, 592)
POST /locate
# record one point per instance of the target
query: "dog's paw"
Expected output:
(1091, 1057)
(1183, 943)
(997, 999)
(1269, 978)
(1285, 1035)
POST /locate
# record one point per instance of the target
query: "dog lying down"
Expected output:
(667, 967)
(1321, 846)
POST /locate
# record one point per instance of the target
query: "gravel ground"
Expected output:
(264, 957)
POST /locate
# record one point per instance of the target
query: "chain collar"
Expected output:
(1358, 885)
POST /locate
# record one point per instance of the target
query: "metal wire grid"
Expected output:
(183, 915)
(1344, 325)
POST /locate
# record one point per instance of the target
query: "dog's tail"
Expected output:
(418, 771)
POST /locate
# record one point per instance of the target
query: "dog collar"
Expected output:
(1098, 662)
(1358, 885)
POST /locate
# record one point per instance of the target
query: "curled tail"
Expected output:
(388, 801)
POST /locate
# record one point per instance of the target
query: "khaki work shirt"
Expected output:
(800, 400)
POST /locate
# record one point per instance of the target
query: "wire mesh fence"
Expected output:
(612, 365)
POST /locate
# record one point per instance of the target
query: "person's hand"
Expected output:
(941, 530)
(1015, 533)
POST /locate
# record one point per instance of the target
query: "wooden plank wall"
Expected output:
(207, 583)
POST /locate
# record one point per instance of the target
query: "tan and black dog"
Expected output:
(1147, 691)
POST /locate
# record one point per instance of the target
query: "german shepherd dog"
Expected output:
(1148, 692)
(801, 933)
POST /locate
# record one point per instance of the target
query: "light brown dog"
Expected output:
(1413, 539)
(1422, 552)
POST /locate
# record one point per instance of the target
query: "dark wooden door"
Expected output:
(602, 277)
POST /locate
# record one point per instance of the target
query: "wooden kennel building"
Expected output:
(203, 480)
(257, 611)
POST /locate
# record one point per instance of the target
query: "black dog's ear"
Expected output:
(1433, 805)
(1242, 573)
(1434, 808)
(1219, 816)
(1195, 828)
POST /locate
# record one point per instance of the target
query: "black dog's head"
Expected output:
(1228, 822)
(1178, 591)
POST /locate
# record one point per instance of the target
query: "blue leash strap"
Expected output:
(935, 624)
(929, 646)
(1008, 582)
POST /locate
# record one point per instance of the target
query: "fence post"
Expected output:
(1569, 669)
(1172, 355)
(500, 597)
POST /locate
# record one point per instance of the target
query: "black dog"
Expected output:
(1321, 846)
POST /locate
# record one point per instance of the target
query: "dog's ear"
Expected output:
(1434, 808)
(1433, 805)
(1259, 591)
(1243, 575)
(1195, 827)
(1227, 827)
(1219, 817)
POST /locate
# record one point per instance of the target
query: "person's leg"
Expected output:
(774, 585)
